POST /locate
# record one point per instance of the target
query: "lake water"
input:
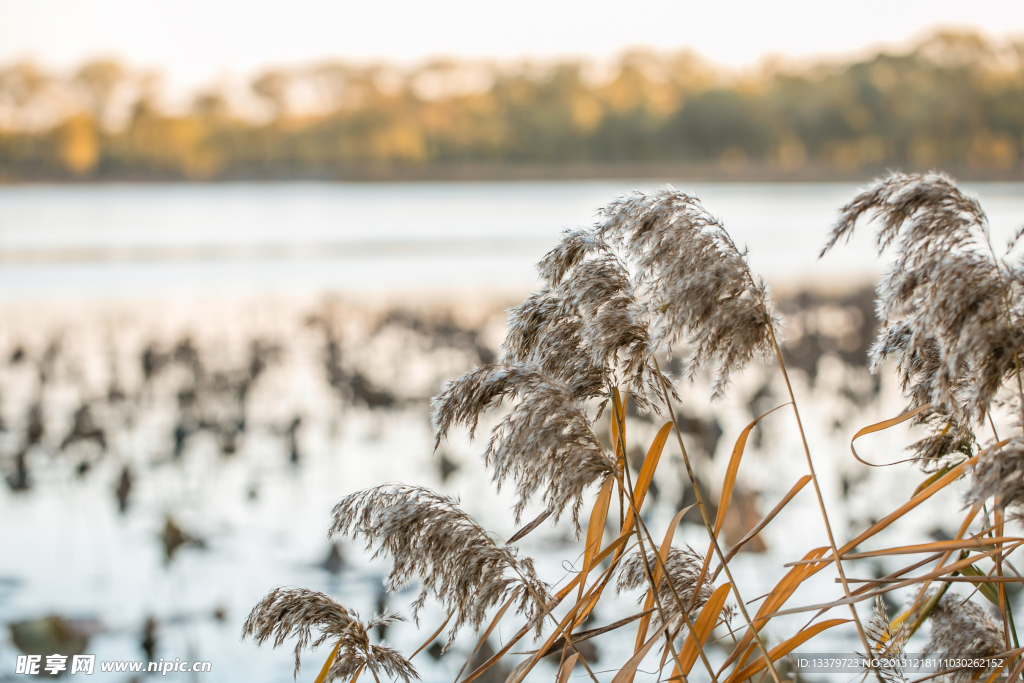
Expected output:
(145, 240)
(97, 284)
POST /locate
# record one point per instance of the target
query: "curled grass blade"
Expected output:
(880, 426)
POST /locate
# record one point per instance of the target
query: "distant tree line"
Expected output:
(954, 101)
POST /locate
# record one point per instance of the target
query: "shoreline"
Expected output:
(485, 173)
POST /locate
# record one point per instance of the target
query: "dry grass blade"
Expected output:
(595, 530)
(778, 595)
(973, 543)
(765, 521)
(326, 668)
(628, 670)
(566, 668)
(646, 476)
(702, 628)
(972, 575)
(595, 535)
(733, 469)
(784, 648)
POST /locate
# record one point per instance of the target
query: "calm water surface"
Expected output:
(66, 255)
(98, 241)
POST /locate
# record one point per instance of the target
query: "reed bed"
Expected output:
(656, 277)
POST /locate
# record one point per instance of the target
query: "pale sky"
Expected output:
(195, 41)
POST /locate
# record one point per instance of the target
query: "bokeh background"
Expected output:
(243, 244)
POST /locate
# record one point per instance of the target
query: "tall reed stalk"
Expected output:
(657, 275)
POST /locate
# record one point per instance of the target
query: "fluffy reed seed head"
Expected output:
(591, 284)
(542, 331)
(887, 643)
(545, 444)
(962, 629)
(692, 280)
(999, 474)
(429, 537)
(683, 565)
(949, 441)
(945, 293)
(297, 612)
(917, 364)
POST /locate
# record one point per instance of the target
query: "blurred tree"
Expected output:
(272, 88)
(954, 100)
(99, 81)
(78, 144)
(21, 82)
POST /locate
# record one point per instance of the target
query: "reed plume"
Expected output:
(656, 272)
(999, 474)
(887, 643)
(429, 537)
(683, 567)
(950, 308)
(543, 332)
(692, 280)
(961, 629)
(546, 442)
(586, 312)
(296, 612)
